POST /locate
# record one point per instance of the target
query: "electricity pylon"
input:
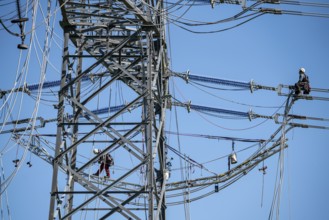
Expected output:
(111, 42)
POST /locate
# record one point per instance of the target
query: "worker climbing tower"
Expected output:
(111, 43)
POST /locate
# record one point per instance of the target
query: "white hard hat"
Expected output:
(302, 70)
(96, 151)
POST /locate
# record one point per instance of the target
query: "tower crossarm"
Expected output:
(230, 175)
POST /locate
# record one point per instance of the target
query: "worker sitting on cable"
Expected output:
(105, 161)
(303, 83)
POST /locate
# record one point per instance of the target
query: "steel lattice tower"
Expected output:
(111, 42)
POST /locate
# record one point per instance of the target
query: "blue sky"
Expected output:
(269, 50)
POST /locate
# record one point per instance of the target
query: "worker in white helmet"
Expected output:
(105, 161)
(303, 83)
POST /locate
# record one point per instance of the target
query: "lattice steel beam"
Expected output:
(128, 42)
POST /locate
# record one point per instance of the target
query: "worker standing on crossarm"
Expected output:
(303, 83)
(105, 161)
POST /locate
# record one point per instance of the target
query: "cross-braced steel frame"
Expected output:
(122, 42)
(111, 42)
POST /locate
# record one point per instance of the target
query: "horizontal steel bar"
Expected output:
(94, 192)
